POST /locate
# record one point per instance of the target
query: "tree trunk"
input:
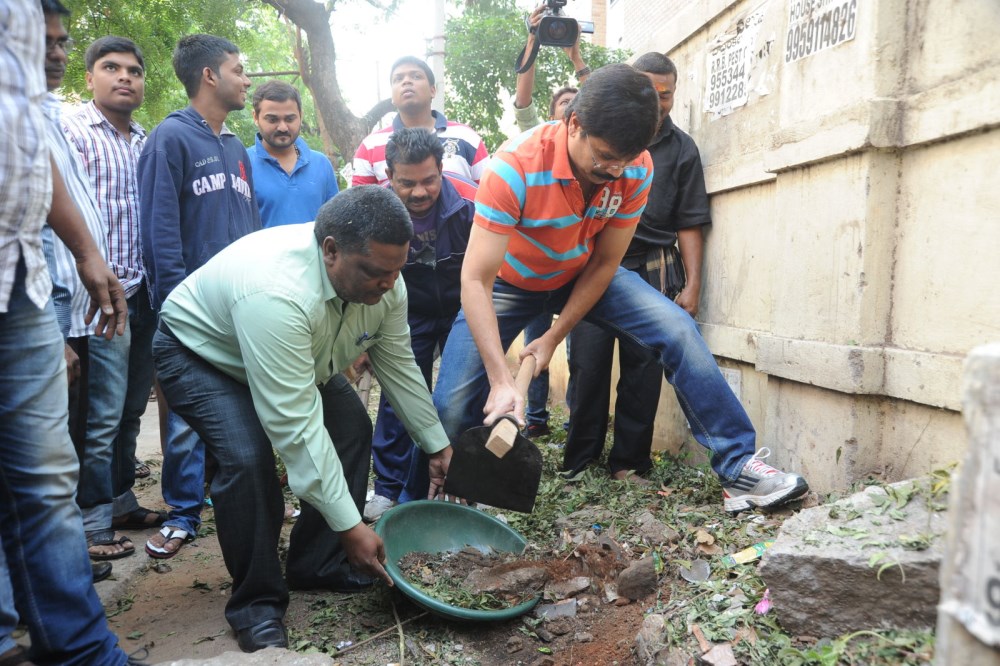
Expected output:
(338, 125)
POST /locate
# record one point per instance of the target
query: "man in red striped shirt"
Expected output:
(555, 212)
(413, 90)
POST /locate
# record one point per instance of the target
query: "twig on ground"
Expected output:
(402, 643)
(379, 634)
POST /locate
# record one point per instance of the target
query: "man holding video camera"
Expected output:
(526, 116)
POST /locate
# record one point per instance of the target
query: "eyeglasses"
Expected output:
(620, 166)
(64, 44)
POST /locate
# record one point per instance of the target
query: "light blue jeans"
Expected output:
(183, 478)
(46, 567)
(632, 310)
(121, 375)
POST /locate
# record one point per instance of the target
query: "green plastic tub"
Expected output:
(436, 527)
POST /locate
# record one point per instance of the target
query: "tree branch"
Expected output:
(376, 112)
(291, 72)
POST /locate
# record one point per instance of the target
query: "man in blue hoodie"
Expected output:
(441, 208)
(195, 198)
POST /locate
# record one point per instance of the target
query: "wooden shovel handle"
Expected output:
(524, 375)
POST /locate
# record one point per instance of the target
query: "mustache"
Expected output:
(607, 177)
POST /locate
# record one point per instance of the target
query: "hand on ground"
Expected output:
(365, 551)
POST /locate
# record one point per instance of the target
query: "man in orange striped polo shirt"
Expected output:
(555, 212)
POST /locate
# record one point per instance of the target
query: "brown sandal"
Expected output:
(16, 656)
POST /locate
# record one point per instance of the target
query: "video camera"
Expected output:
(557, 30)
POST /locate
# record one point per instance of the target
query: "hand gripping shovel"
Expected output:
(496, 464)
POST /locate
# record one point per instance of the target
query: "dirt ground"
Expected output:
(176, 611)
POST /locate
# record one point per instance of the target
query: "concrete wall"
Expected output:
(855, 251)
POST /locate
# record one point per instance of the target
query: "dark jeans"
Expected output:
(639, 383)
(537, 411)
(249, 508)
(393, 452)
(79, 396)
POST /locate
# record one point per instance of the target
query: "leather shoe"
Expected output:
(347, 583)
(351, 583)
(100, 570)
(269, 633)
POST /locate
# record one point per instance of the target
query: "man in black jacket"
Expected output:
(441, 209)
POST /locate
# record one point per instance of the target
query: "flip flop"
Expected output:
(632, 477)
(141, 470)
(108, 539)
(139, 520)
(15, 656)
(169, 534)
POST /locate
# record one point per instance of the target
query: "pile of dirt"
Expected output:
(471, 578)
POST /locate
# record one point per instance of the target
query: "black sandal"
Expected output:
(108, 539)
(139, 520)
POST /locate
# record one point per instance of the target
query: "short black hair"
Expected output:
(275, 91)
(565, 90)
(618, 105)
(655, 63)
(196, 52)
(359, 215)
(413, 60)
(111, 44)
(50, 7)
(413, 145)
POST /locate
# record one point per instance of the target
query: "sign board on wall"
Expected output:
(730, 63)
(816, 25)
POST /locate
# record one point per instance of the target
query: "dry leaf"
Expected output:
(745, 634)
(709, 549)
(720, 655)
(701, 536)
(700, 636)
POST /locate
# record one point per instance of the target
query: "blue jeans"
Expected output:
(182, 480)
(121, 375)
(537, 412)
(46, 564)
(631, 310)
(393, 452)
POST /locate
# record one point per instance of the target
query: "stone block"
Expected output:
(868, 561)
(268, 657)
(638, 580)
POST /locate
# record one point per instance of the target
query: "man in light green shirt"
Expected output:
(248, 353)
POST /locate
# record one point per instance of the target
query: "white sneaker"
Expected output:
(761, 485)
(376, 506)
